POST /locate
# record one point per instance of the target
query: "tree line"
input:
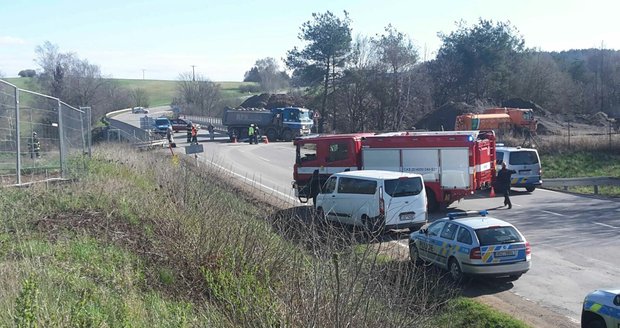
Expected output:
(379, 82)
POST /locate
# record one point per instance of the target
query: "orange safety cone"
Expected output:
(265, 140)
(492, 193)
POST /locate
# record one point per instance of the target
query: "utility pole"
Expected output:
(143, 73)
(193, 74)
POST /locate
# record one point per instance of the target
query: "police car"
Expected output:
(472, 243)
(601, 309)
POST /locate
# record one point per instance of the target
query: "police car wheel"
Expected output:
(530, 189)
(595, 323)
(455, 270)
(414, 254)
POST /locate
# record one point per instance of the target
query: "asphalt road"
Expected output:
(575, 239)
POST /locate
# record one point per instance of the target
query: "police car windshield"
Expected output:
(498, 235)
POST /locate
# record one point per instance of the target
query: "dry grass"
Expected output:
(140, 240)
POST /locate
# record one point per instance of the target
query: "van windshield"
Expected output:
(403, 187)
(525, 157)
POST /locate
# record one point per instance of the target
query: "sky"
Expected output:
(160, 39)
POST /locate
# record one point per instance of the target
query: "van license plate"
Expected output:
(504, 253)
(407, 217)
(525, 171)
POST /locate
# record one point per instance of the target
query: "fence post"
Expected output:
(17, 139)
(596, 189)
(61, 136)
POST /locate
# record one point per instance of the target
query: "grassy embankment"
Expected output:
(140, 242)
(583, 164)
(160, 92)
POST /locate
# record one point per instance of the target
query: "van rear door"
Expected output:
(405, 200)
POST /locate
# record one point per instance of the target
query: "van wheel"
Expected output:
(530, 189)
(432, 204)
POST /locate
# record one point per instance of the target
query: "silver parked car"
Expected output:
(472, 243)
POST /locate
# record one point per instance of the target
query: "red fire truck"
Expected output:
(453, 163)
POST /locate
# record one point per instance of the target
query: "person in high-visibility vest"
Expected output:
(189, 131)
(251, 133)
(194, 134)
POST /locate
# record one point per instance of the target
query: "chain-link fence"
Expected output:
(41, 137)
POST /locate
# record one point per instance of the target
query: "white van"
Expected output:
(524, 161)
(377, 200)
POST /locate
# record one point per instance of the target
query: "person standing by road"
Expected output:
(210, 128)
(194, 134)
(170, 135)
(256, 134)
(189, 131)
(503, 183)
(251, 133)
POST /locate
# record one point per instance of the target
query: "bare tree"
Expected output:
(200, 96)
(397, 56)
(140, 97)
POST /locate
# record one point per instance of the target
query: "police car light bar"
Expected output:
(455, 215)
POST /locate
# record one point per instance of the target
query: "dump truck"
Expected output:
(277, 124)
(499, 119)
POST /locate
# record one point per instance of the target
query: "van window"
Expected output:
(329, 186)
(526, 157)
(356, 186)
(338, 152)
(403, 187)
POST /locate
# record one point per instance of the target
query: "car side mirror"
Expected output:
(617, 300)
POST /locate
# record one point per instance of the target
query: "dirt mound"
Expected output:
(269, 101)
(520, 103)
(443, 118)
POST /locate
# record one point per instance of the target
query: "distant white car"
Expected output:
(601, 309)
(139, 110)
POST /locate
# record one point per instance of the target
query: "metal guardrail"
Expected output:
(564, 183)
(127, 131)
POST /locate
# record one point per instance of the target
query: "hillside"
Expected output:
(160, 92)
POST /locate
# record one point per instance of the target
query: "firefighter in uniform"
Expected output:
(35, 146)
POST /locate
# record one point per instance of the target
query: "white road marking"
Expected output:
(553, 213)
(295, 200)
(605, 225)
(264, 159)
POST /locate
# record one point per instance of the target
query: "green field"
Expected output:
(160, 92)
